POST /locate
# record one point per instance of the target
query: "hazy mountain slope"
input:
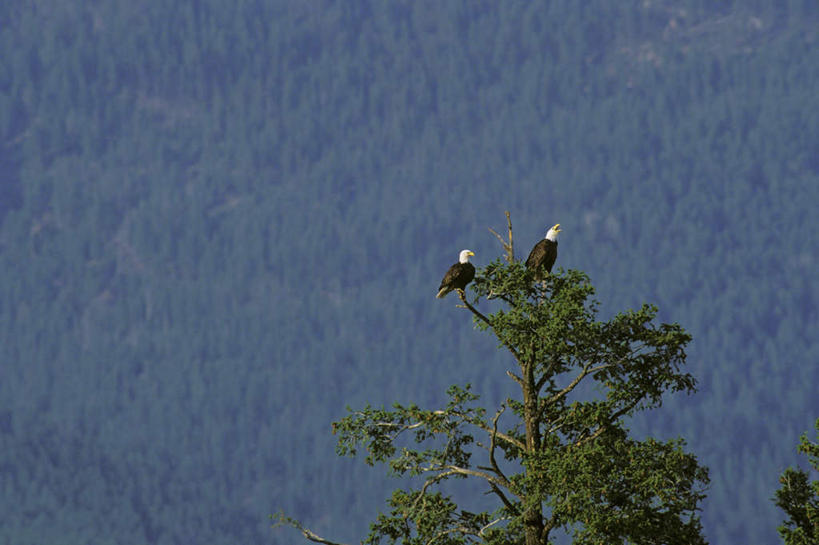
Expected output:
(220, 224)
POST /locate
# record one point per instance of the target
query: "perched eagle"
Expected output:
(544, 253)
(458, 275)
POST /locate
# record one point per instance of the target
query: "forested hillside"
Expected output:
(221, 222)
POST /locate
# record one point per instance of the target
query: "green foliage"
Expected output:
(378, 429)
(569, 463)
(799, 498)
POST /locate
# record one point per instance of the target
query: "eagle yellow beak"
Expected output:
(472, 253)
(556, 227)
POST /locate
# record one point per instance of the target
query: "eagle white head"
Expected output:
(551, 234)
(464, 256)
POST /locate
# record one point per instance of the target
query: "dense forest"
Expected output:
(222, 222)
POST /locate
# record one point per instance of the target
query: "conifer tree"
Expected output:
(558, 456)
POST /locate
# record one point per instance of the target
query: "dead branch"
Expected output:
(587, 370)
(516, 378)
(309, 534)
(462, 529)
(490, 524)
(508, 247)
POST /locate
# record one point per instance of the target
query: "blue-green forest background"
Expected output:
(221, 222)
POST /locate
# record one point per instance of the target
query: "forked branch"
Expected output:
(493, 443)
(587, 370)
(586, 437)
(482, 474)
(500, 435)
(429, 482)
(479, 532)
(508, 247)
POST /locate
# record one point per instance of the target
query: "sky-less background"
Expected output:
(221, 222)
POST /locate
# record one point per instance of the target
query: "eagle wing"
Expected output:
(450, 275)
(457, 277)
(543, 254)
(536, 255)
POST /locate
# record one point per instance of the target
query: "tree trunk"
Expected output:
(533, 522)
(533, 516)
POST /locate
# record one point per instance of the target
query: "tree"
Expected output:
(799, 498)
(558, 456)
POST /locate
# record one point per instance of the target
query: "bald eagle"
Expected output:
(458, 275)
(544, 254)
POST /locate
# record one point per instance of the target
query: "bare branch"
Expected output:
(571, 386)
(587, 370)
(500, 238)
(508, 247)
(516, 378)
(507, 438)
(432, 480)
(493, 295)
(309, 534)
(392, 426)
(474, 311)
(481, 532)
(462, 529)
(509, 505)
(490, 524)
(624, 410)
(488, 322)
(511, 244)
(547, 374)
(592, 437)
(556, 425)
(583, 440)
(493, 443)
(498, 492)
(483, 475)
